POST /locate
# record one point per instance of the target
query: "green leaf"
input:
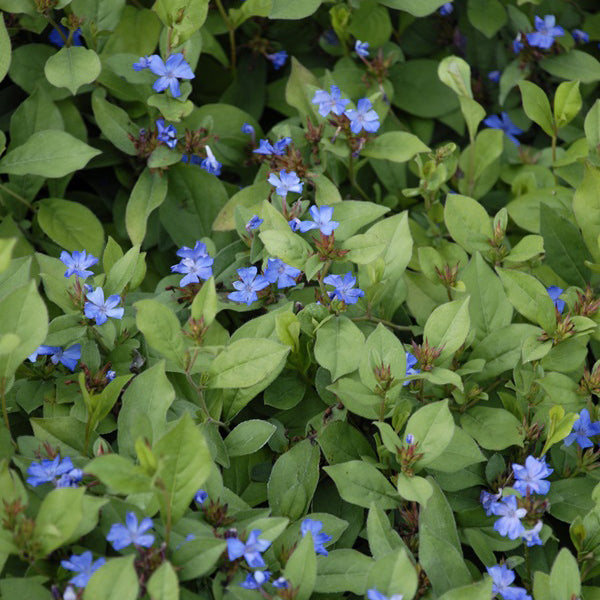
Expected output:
(482, 590)
(414, 488)
(293, 9)
(361, 483)
(537, 106)
(72, 67)
(144, 407)
(50, 153)
(341, 442)
(338, 346)
(382, 537)
(433, 428)
(120, 474)
(397, 146)
(116, 580)
(58, 517)
(5, 50)
(394, 574)
(353, 215)
(455, 72)
(185, 17)
(248, 437)
(448, 326)
(567, 102)
(572, 65)
(301, 568)
(247, 362)
(26, 587)
(382, 348)
(566, 252)
(343, 570)
(287, 246)
(301, 82)
(417, 8)
(468, 223)
(184, 464)
(592, 126)
(204, 304)
(122, 271)
(492, 428)
(198, 557)
(293, 480)
(586, 205)
(489, 16)
(163, 584)
(565, 580)
(461, 452)
(161, 329)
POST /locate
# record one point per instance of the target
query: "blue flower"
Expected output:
(494, 76)
(318, 538)
(509, 524)
(67, 357)
(71, 479)
(344, 288)
(254, 223)
(210, 163)
(321, 220)
(248, 129)
(502, 577)
(170, 72)
(83, 565)
(364, 117)
(332, 102)
(121, 536)
(110, 375)
(580, 36)
(143, 63)
(192, 159)
(196, 264)
(505, 124)
(373, 594)
(167, 135)
(278, 271)
(547, 30)
(278, 59)
(48, 471)
(411, 361)
(583, 429)
(201, 497)
(531, 536)
(97, 308)
(554, 292)
(255, 581)
(517, 44)
(248, 286)
(530, 478)
(70, 593)
(57, 39)
(361, 48)
(286, 182)
(278, 148)
(251, 550)
(446, 9)
(487, 500)
(78, 263)
(281, 583)
(410, 439)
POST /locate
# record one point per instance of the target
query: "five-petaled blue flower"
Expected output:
(318, 538)
(254, 223)
(210, 163)
(530, 478)
(278, 271)
(546, 31)
(51, 471)
(531, 536)
(121, 536)
(330, 102)
(583, 429)
(446, 9)
(554, 292)
(278, 59)
(286, 182)
(502, 577)
(251, 550)
(201, 496)
(364, 117)
(344, 288)
(361, 48)
(68, 357)
(98, 308)
(255, 581)
(374, 594)
(170, 72)
(83, 565)
(322, 216)
(411, 361)
(57, 39)
(78, 263)
(248, 286)
(494, 76)
(195, 263)
(503, 122)
(166, 134)
(580, 36)
(509, 524)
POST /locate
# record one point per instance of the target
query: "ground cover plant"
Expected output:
(298, 299)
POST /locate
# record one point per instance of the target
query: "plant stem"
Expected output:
(384, 322)
(5, 409)
(16, 196)
(231, 29)
(352, 177)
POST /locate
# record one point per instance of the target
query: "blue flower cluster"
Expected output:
(196, 264)
(169, 72)
(61, 473)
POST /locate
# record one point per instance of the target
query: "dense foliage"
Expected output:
(298, 299)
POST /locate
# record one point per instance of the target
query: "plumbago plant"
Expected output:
(299, 299)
